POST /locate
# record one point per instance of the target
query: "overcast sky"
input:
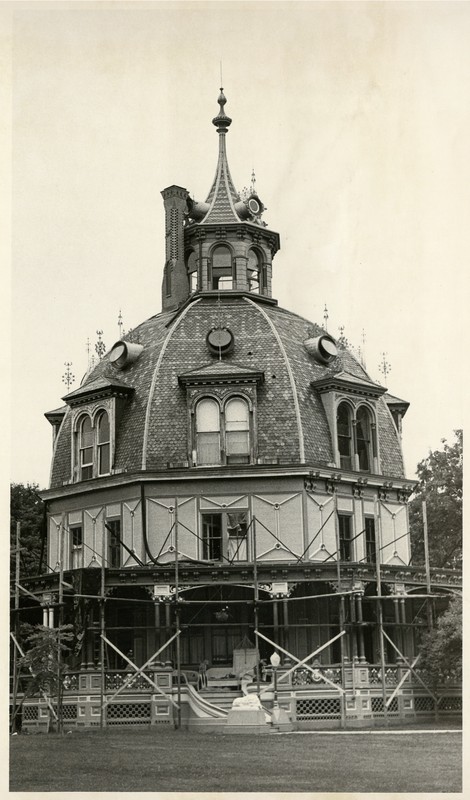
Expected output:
(355, 118)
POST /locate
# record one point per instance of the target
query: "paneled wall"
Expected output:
(289, 525)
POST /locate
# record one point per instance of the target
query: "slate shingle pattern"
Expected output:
(255, 348)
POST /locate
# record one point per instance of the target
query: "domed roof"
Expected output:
(292, 426)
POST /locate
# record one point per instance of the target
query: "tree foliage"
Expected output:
(27, 508)
(441, 647)
(45, 656)
(440, 485)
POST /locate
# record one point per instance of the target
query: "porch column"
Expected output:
(360, 629)
(353, 635)
(404, 630)
(45, 617)
(285, 637)
(51, 618)
(398, 636)
(276, 623)
(157, 623)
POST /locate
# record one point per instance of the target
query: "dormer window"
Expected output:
(350, 403)
(93, 446)
(364, 438)
(355, 431)
(85, 437)
(344, 428)
(237, 432)
(103, 433)
(207, 432)
(222, 272)
(222, 432)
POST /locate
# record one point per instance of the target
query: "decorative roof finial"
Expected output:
(384, 366)
(325, 317)
(100, 347)
(221, 121)
(68, 378)
(253, 181)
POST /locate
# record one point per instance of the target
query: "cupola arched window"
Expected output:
(254, 272)
(237, 432)
(207, 432)
(103, 432)
(222, 272)
(364, 438)
(344, 430)
(191, 267)
(85, 447)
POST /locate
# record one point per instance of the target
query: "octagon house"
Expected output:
(228, 483)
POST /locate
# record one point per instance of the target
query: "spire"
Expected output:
(223, 196)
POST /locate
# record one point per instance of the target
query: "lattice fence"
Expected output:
(377, 706)
(30, 713)
(424, 703)
(450, 704)
(128, 714)
(318, 708)
(69, 711)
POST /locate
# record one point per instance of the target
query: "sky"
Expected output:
(355, 119)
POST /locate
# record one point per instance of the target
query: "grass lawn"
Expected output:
(169, 761)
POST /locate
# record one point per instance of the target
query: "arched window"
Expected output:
(222, 276)
(237, 432)
(191, 266)
(207, 432)
(364, 438)
(344, 430)
(85, 447)
(103, 444)
(254, 272)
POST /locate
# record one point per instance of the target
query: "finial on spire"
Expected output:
(221, 121)
(253, 181)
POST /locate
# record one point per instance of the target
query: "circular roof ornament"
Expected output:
(322, 348)
(220, 341)
(255, 206)
(124, 353)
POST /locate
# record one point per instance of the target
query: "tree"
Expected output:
(440, 485)
(46, 650)
(27, 508)
(441, 647)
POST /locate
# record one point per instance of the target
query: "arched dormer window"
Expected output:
(237, 431)
(191, 267)
(222, 270)
(92, 446)
(364, 438)
(85, 448)
(207, 432)
(344, 431)
(254, 272)
(103, 438)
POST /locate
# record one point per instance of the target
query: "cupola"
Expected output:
(221, 244)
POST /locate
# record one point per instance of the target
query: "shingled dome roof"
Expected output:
(292, 426)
